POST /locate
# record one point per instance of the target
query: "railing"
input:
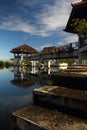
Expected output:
(60, 55)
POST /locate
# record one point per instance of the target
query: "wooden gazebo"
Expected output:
(22, 53)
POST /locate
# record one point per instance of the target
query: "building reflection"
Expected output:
(22, 77)
(28, 76)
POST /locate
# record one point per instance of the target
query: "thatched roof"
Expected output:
(48, 50)
(24, 49)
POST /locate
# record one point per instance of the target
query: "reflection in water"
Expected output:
(25, 77)
(13, 98)
(22, 77)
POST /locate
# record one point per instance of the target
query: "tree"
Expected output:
(80, 27)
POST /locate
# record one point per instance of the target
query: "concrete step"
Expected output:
(38, 118)
(78, 66)
(70, 80)
(71, 101)
(76, 69)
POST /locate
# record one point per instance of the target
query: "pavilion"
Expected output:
(79, 10)
(22, 53)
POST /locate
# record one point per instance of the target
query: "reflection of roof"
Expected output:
(25, 83)
(79, 10)
(23, 49)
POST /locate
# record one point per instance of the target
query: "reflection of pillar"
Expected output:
(34, 70)
(22, 76)
(49, 70)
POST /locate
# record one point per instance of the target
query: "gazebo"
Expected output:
(79, 10)
(22, 53)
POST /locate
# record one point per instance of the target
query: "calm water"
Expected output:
(15, 92)
(16, 87)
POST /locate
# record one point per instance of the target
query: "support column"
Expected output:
(14, 59)
(33, 63)
(49, 62)
(21, 57)
(80, 58)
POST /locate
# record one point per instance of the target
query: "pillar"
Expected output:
(49, 62)
(80, 58)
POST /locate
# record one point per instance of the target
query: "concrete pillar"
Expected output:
(14, 59)
(80, 58)
(21, 57)
(34, 63)
(49, 63)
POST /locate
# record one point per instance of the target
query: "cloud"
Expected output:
(46, 20)
(29, 3)
(67, 39)
(71, 38)
(15, 23)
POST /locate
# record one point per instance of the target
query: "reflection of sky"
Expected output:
(11, 96)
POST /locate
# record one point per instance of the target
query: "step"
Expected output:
(64, 99)
(70, 80)
(38, 118)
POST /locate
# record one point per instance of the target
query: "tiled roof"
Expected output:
(23, 49)
(84, 2)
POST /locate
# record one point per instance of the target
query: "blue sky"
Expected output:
(37, 23)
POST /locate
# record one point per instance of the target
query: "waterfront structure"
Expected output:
(25, 55)
(22, 53)
(78, 12)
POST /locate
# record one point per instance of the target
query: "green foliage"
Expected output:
(4, 64)
(69, 61)
(80, 26)
(1, 63)
(7, 64)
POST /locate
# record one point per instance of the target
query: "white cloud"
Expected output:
(55, 16)
(14, 23)
(50, 19)
(71, 38)
(67, 39)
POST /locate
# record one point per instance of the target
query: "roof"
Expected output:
(79, 10)
(79, 3)
(48, 50)
(24, 49)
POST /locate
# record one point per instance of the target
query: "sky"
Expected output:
(37, 23)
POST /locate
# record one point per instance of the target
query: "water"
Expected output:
(16, 90)
(15, 93)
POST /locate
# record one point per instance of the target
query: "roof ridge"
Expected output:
(79, 3)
